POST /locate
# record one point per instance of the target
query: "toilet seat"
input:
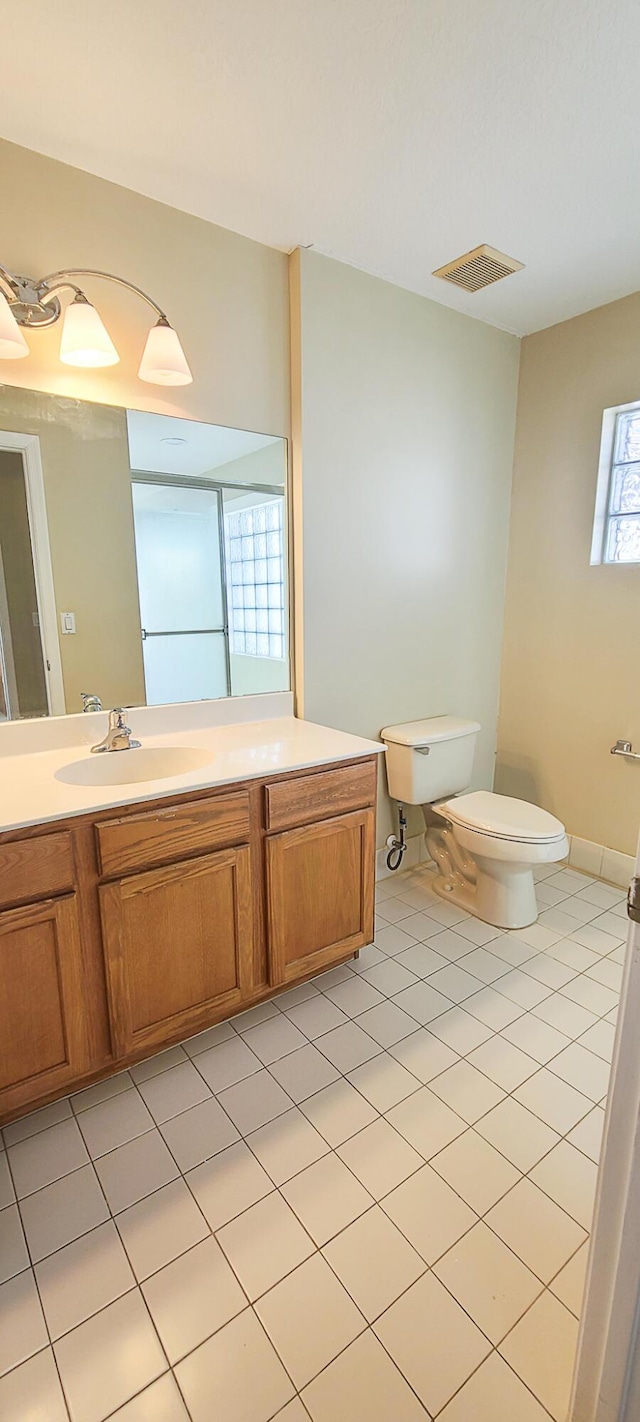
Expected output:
(502, 817)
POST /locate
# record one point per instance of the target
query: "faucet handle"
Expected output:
(118, 736)
(90, 702)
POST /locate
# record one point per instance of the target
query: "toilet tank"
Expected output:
(429, 760)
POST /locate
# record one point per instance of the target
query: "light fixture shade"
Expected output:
(85, 340)
(163, 359)
(12, 342)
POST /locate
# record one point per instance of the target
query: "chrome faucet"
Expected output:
(90, 702)
(118, 737)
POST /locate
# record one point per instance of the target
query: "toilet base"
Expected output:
(499, 891)
(502, 894)
(488, 875)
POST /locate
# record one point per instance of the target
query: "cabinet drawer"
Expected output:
(317, 797)
(141, 841)
(35, 868)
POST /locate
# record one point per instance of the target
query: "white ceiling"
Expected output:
(193, 448)
(392, 134)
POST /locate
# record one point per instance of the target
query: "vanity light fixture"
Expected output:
(85, 341)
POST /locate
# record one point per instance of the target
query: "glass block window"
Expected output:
(255, 571)
(621, 517)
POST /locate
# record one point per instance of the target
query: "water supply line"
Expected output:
(397, 847)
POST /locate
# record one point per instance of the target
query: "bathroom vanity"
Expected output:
(147, 893)
(134, 915)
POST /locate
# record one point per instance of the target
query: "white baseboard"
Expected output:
(596, 859)
(603, 863)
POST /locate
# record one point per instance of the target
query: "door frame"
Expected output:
(7, 665)
(28, 446)
(606, 1384)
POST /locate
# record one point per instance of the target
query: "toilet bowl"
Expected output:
(485, 850)
(485, 846)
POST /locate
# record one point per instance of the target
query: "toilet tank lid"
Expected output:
(426, 733)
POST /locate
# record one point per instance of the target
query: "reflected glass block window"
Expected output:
(622, 532)
(255, 571)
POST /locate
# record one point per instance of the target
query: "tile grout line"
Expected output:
(168, 1373)
(380, 1115)
(317, 1250)
(428, 1267)
(31, 1267)
(276, 1188)
(135, 1288)
(294, 1105)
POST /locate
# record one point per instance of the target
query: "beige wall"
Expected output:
(226, 295)
(571, 666)
(404, 411)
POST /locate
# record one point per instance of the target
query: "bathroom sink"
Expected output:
(128, 767)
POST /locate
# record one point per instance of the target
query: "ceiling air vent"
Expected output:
(479, 268)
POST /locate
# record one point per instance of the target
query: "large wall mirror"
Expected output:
(143, 558)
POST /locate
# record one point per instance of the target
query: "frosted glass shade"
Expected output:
(163, 359)
(85, 340)
(12, 342)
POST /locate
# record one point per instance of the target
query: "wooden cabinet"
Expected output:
(42, 1012)
(164, 836)
(121, 934)
(178, 945)
(35, 868)
(320, 796)
(319, 894)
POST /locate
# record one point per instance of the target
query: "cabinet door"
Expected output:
(178, 944)
(42, 1038)
(320, 883)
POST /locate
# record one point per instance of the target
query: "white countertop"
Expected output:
(31, 794)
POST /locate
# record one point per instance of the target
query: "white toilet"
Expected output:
(484, 845)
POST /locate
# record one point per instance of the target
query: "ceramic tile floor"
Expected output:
(366, 1201)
